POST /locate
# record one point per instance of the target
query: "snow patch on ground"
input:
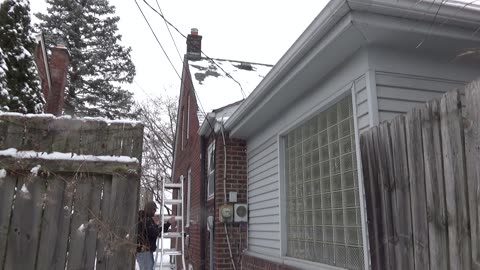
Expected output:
(3, 173)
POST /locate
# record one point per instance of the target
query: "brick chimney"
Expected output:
(53, 75)
(194, 45)
(59, 61)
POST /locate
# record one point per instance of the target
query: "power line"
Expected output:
(181, 81)
(209, 58)
(158, 41)
(168, 28)
(432, 24)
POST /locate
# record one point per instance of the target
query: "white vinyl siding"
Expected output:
(263, 198)
(362, 104)
(399, 93)
(324, 219)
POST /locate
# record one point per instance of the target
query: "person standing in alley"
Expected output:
(147, 234)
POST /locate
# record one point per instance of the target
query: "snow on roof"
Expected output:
(215, 89)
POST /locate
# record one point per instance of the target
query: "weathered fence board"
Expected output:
(371, 188)
(61, 243)
(123, 207)
(86, 205)
(51, 225)
(472, 148)
(72, 215)
(387, 183)
(102, 240)
(434, 186)
(417, 189)
(25, 226)
(402, 210)
(15, 131)
(455, 181)
(426, 166)
(7, 189)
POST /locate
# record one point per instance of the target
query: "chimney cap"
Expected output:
(194, 31)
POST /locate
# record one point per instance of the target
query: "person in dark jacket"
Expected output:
(147, 234)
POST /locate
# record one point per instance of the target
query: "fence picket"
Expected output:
(387, 183)
(472, 148)
(83, 227)
(123, 210)
(455, 182)
(7, 189)
(94, 214)
(103, 235)
(417, 189)
(434, 185)
(26, 221)
(370, 182)
(51, 222)
(61, 242)
(401, 207)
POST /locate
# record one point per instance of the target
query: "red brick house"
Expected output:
(211, 90)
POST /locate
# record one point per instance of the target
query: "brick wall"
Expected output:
(190, 158)
(254, 263)
(236, 180)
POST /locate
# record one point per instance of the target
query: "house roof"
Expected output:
(214, 86)
(217, 118)
(342, 28)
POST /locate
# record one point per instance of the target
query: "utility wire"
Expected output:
(158, 41)
(181, 81)
(170, 32)
(209, 58)
(432, 24)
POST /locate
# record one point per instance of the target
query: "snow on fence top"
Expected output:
(85, 137)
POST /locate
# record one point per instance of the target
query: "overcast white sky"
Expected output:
(249, 30)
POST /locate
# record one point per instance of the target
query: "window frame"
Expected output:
(188, 118)
(183, 128)
(348, 90)
(210, 173)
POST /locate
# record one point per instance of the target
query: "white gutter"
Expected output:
(207, 124)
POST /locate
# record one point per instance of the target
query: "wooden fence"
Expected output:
(422, 174)
(68, 193)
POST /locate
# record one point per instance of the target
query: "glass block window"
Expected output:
(324, 223)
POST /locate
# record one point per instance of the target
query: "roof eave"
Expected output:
(332, 22)
(331, 14)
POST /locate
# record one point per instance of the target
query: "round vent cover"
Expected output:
(242, 211)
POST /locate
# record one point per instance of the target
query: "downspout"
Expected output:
(203, 210)
(210, 233)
